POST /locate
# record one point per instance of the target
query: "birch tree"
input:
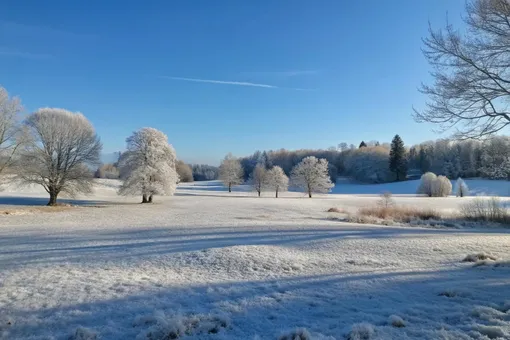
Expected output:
(277, 180)
(61, 149)
(311, 175)
(231, 172)
(10, 129)
(258, 179)
(148, 165)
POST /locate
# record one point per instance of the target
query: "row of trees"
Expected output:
(310, 175)
(375, 162)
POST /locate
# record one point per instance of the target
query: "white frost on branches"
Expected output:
(60, 150)
(311, 175)
(461, 188)
(10, 137)
(258, 179)
(148, 165)
(434, 186)
(277, 180)
(231, 172)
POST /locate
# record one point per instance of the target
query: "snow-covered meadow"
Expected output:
(206, 264)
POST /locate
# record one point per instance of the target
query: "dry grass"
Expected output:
(486, 210)
(399, 214)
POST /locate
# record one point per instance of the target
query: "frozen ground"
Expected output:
(208, 265)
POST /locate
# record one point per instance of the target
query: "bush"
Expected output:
(461, 188)
(361, 331)
(434, 186)
(396, 321)
(426, 184)
(336, 210)
(386, 200)
(107, 171)
(298, 334)
(441, 187)
(486, 210)
(479, 257)
(184, 171)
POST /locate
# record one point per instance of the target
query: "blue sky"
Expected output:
(226, 76)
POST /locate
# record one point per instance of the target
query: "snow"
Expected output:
(206, 264)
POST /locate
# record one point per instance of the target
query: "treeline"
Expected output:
(370, 162)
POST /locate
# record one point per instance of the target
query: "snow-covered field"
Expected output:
(205, 264)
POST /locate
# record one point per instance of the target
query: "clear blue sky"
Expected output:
(299, 74)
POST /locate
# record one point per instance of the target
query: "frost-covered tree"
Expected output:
(184, 171)
(148, 165)
(258, 179)
(368, 164)
(231, 172)
(362, 144)
(59, 153)
(441, 187)
(10, 130)
(427, 184)
(277, 180)
(398, 159)
(461, 188)
(311, 175)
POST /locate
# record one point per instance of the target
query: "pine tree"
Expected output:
(398, 161)
(362, 144)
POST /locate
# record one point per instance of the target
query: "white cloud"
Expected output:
(225, 82)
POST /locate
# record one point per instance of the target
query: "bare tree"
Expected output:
(311, 175)
(60, 152)
(277, 180)
(10, 130)
(258, 179)
(231, 172)
(472, 72)
(148, 165)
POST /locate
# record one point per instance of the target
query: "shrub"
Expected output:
(386, 200)
(478, 257)
(298, 334)
(107, 171)
(361, 331)
(461, 188)
(441, 187)
(426, 184)
(486, 210)
(184, 171)
(336, 210)
(396, 321)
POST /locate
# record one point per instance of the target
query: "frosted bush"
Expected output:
(298, 334)
(442, 187)
(478, 257)
(488, 210)
(83, 333)
(461, 188)
(396, 321)
(426, 184)
(361, 331)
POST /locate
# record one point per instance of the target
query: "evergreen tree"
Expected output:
(424, 162)
(398, 161)
(362, 144)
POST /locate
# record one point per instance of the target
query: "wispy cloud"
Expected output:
(225, 82)
(7, 52)
(290, 73)
(236, 83)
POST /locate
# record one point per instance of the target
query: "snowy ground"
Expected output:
(206, 264)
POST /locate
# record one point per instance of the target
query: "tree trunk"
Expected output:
(53, 197)
(144, 198)
(309, 194)
(150, 199)
(276, 193)
(229, 187)
(259, 192)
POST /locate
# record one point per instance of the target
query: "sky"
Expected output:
(226, 76)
